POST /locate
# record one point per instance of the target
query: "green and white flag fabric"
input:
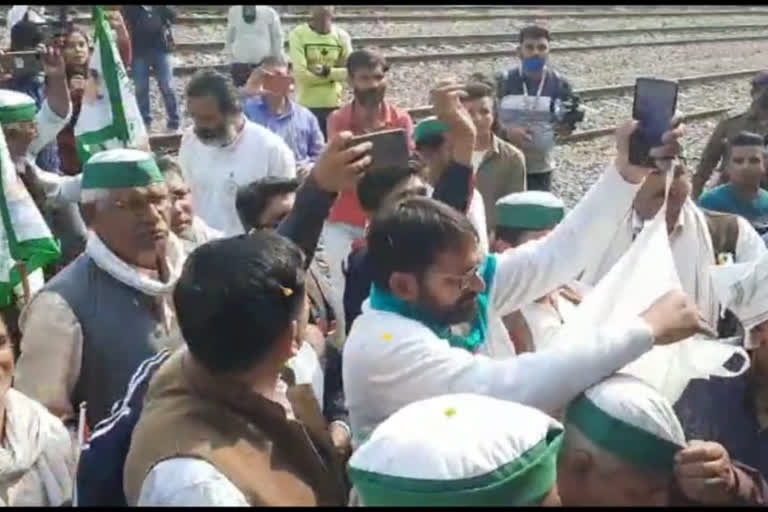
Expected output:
(24, 237)
(109, 115)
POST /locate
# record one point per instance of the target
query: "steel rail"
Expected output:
(498, 37)
(449, 56)
(172, 141)
(435, 17)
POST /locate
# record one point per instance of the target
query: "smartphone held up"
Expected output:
(654, 107)
(390, 149)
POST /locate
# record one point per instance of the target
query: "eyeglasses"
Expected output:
(465, 280)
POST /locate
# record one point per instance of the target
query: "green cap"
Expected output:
(534, 210)
(120, 168)
(427, 128)
(16, 107)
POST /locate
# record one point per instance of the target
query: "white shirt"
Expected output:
(391, 361)
(251, 42)
(214, 173)
(476, 216)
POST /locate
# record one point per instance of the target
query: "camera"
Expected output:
(568, 112)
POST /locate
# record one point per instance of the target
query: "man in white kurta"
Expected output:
(224, 151)
(391, 359)
(690, 237)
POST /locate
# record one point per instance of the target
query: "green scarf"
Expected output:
(385, 301)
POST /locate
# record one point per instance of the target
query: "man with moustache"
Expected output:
(429, 277)
(92, 325)
(368, 112)
(754, 120)
(224, 150)
(698, 238)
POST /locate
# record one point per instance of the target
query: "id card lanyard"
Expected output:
(527, 99)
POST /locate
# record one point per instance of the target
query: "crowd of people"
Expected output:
(263, 320)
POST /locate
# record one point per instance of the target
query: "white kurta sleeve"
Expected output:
(49, 124)
(384, 371)
(528, 272)
(749, 245)
(186, 482)
(51, 355)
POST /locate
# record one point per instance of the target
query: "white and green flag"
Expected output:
(109, 116)
(24, 238)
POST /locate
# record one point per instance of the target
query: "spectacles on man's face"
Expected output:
(465, 280)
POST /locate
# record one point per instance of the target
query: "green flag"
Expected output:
(109, 116)
(24, 237)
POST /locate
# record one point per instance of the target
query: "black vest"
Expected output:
(121, 328)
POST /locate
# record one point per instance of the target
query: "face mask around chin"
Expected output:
(534, 64)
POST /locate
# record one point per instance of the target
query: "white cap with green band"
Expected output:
(459, 450)
(16, 107)
(531, 210)
(627, 418)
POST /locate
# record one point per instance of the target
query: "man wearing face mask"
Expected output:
(224, 150)
(531, 100)
(368, 112)
(754, 120)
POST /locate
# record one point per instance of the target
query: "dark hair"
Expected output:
(252, 199)
(237, 296)
(26, 35)
(365, 59)
(270, 61)
(408, 236)
(373, 187)
(509, 235)
(477, 90)
(168, 165)
(207, 82)
(745, 138)
(534, 32)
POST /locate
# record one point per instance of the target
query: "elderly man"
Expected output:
(460, 450)
(698, 238)
(223, 151)
(521, 218)
(624, 446)
(191, 229)
(90, 327)
(734, 411)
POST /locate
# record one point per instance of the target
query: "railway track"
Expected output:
(170, 142)
(434, 17)
(450, 56)
(505, 37)
(164, 143)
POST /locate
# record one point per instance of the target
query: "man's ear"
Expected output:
(404, 286)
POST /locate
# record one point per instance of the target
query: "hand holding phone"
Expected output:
(390, 149)
(342, 163)
(654, 106)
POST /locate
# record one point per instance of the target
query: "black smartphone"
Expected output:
(21, 63)
(654, 106)
(390, 149)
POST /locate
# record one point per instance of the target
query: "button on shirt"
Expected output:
(297, 126)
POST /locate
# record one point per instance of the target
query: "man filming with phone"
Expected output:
(698, 238)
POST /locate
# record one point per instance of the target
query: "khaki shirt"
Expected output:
(714, 154)
(501, 172)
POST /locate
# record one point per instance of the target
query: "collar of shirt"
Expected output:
(261, 104)
(638, 223)
(387, 116)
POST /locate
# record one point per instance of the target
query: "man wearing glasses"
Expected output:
(699, 238)
(531, 106)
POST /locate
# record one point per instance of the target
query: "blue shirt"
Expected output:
(297, 126)
(724, 199)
